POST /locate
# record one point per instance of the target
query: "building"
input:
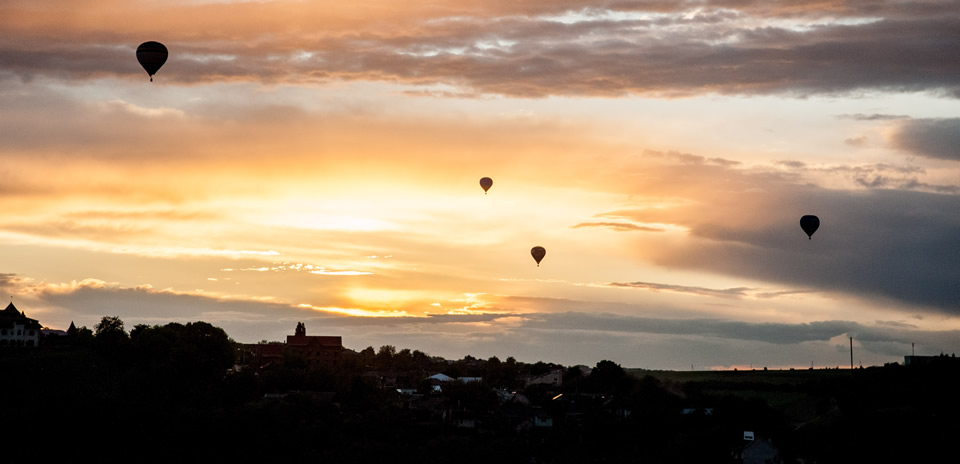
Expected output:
(316, 351)
(16, 329)
(554, 377)
(942, 360)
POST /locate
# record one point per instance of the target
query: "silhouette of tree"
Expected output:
(109, 334)
(194, 349)
(609, 377)
(109, 326)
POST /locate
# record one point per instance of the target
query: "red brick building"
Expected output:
(316, 350)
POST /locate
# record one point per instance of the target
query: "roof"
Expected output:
(11, 315)
(315, 340)
(11, 310)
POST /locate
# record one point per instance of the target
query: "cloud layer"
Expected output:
(530, 336)
(528, 49)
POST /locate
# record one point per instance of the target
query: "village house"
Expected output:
(16, 329)
(554, 377)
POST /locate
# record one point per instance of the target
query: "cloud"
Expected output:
(526, 335)
(529, 49)
(687, 158)
(873, 117)
(897, 324)
(871, 176)
(744, 331)
(886, 243)
(885, 240)
(618, 226)
(736, 292)
(932, 138)
(856, 141)
(143, 111)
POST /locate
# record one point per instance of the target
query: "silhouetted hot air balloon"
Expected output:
(538, 253)
(486, 183)
(809, 224)
(151, 56)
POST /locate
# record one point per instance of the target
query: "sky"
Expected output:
(319, 162)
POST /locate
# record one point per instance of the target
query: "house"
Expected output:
(554, 377)
(16, 329)
(941, 360)
(542, 420)
(759, 451)
(440, 378)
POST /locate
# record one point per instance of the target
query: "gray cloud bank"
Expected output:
(529, 336)
(882, 240)
(887, 243)
(535, 49)
(933, 138)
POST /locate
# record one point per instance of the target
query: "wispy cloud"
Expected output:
(618, 226)
(873, 117)
(734, 292)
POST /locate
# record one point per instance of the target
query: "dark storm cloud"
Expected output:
(535, 49)
(932, 138)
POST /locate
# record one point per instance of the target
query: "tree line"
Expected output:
(163, 392)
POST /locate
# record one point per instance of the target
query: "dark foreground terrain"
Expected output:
(175, 394)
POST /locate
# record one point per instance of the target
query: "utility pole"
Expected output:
(851, 353)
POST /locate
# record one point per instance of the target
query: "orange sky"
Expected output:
(313, 162)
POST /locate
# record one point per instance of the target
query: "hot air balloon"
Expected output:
(486, 183)
(151, 56)
(538, 253)
(809, 224)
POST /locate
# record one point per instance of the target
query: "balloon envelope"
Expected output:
(151, 56)
(538, 253)
(486, 183)
(809, 224)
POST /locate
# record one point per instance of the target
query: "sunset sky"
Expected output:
(307, 161)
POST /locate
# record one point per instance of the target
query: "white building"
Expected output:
(16, 329)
